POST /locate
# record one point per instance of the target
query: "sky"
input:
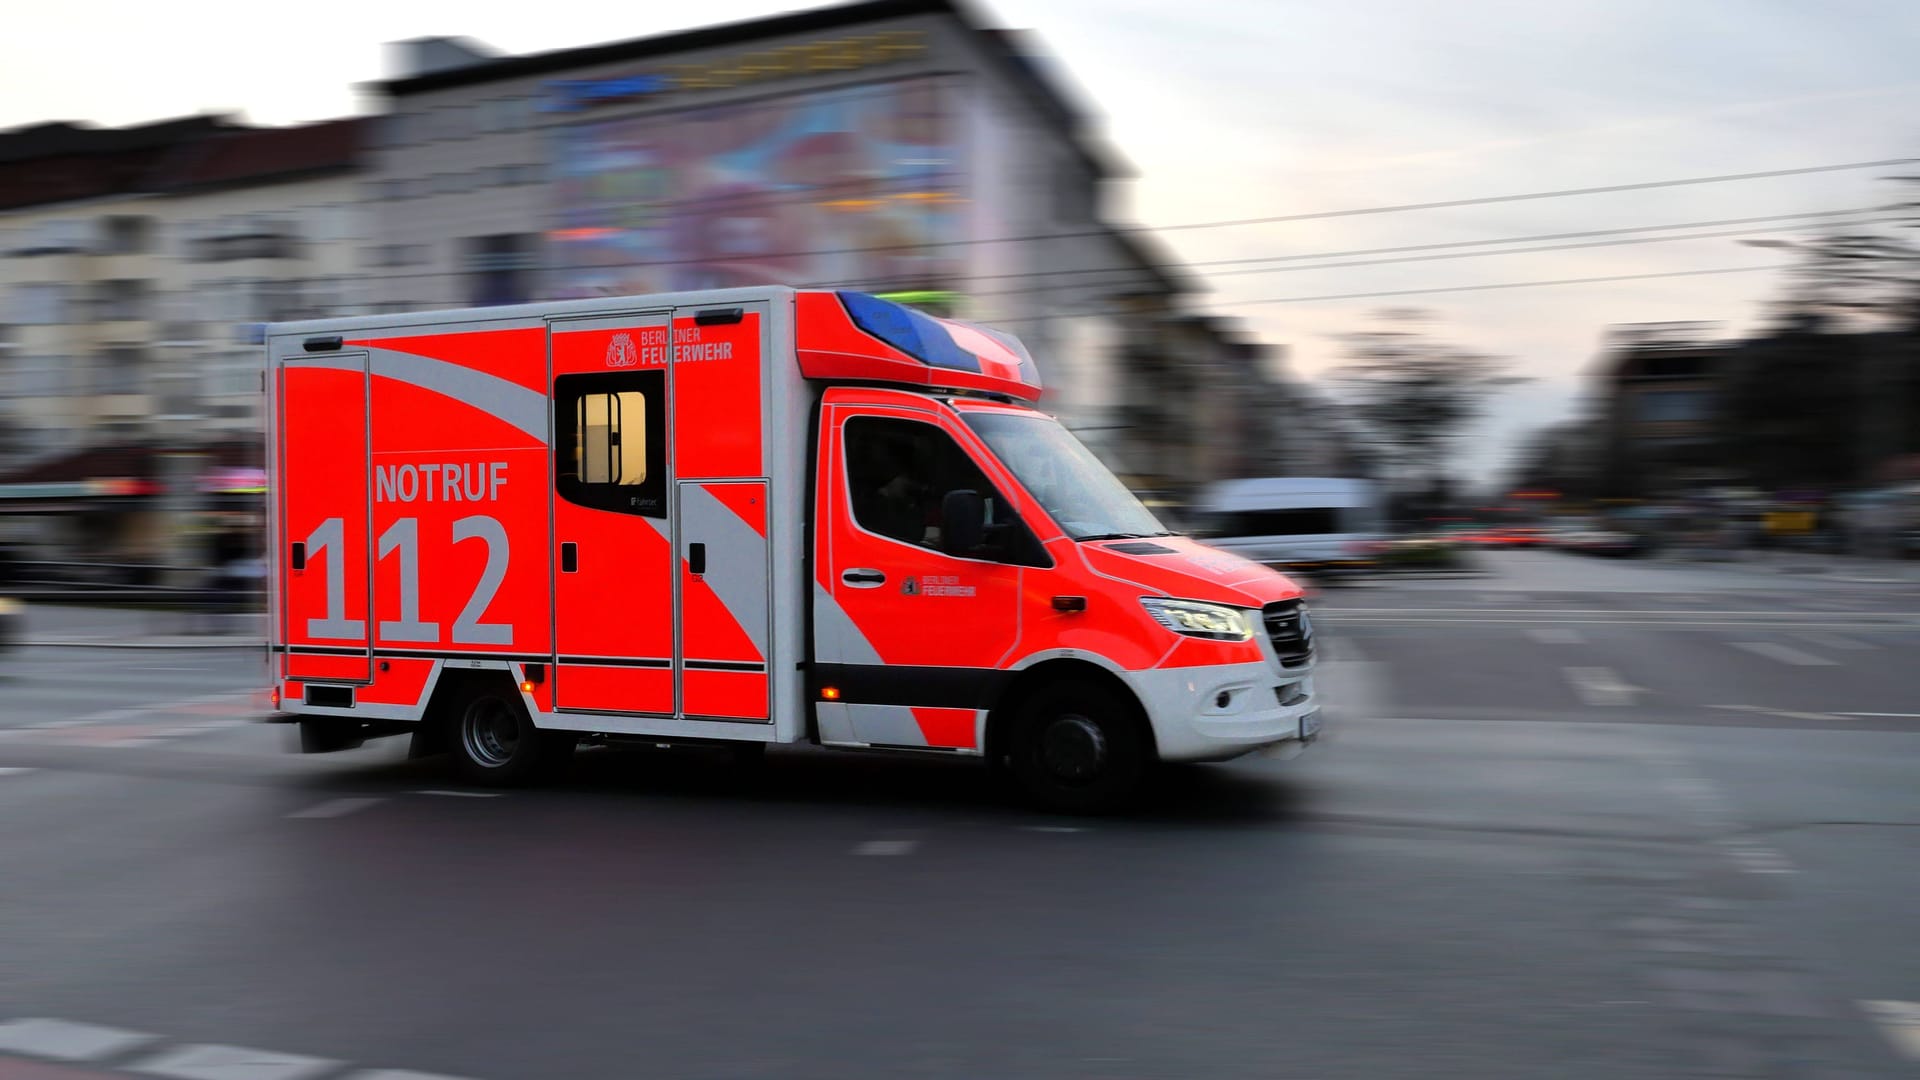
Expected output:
(1257, 108)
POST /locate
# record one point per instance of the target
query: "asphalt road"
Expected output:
(1575, 818)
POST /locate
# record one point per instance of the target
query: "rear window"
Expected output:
(1307, 521)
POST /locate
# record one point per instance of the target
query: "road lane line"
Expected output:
(1900, 1022)
(213, 1062)
(64, 1040)
(1887, 715)
(398, 1074)
(1556, 635)
(14, 770)
(1053, 828)
(460, 794)
(1785, 714)
(334, 808)
(886, 847)
(1600, 686)
(1785, 654)
(1835, 641)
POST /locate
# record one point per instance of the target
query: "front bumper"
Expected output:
(1223, 711)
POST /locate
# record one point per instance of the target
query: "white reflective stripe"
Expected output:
(835, 636)
(891, 725)
(499, 398)
(736, 558)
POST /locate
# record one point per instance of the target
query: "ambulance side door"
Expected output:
(909, 638)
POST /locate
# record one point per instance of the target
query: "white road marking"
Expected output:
(1785, 654)
(1888, 715)
(1708, 808)
(886, 847)
(13, 770)
(1557, 635)
(398, 1074)
(64, 1040)
(1900, 1022)
(1835, 641)
(206, 1062)
(1785, 714)
(1053, 828)
(334, 808)
(1600, 686)
(461, 794)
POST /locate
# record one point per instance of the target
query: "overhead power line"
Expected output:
(1501, 285)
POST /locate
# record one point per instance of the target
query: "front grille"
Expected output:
(1290, 630)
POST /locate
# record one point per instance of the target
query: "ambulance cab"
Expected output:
(750, 516)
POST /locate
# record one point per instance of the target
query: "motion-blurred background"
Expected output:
(1372, 245)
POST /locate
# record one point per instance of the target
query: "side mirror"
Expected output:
(963, 521)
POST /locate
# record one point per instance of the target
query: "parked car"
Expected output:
(1322, 525)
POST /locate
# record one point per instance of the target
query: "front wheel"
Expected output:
(1080, 747)
(495, 742)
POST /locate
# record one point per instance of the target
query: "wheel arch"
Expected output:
(1050, 671)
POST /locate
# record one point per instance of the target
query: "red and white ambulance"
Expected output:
(750, 516)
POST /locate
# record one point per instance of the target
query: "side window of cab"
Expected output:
(902, 480)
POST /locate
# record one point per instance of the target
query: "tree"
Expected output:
(1414, 395)
(1862, 275)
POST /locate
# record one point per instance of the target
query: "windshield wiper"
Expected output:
(1114, 536)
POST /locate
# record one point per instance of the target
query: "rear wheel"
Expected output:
(1080, 747)
(494, 741)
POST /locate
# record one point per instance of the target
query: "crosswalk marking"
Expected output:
(333, 808)
(213, 1062)
(65, 1040)
(1600, 686)
(1900, 1022)
(1785, 654)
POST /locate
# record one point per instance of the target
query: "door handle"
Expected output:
(569, 558)
(297, 555)
(863, 579)
(696, 559)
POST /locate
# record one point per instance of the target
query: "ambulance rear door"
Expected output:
(325, 508)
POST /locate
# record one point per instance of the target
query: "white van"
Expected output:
(1315, 524)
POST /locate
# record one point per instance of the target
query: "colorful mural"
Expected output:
(856, 186)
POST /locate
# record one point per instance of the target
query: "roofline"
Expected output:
(1103, 161)
(559, 60)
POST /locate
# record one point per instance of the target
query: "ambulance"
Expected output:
(748, 517)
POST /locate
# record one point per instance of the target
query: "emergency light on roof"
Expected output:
(844, 336)
(918, 335)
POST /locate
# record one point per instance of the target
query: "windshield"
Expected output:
(1077, 491)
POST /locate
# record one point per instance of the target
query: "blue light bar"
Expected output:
(912, 332)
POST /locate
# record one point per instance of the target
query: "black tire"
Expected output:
(1080, 747)
(494, 741)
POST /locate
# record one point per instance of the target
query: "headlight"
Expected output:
(1215, 622)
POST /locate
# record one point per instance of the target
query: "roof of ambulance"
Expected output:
(598, 305)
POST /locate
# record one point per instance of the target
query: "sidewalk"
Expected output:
(94, 627)
(1853, 569)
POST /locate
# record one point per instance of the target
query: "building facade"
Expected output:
(892, 146)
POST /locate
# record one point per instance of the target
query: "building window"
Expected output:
(41, 304)
(1672, 406)
(121, 300)
(611, 433)
(120, 370)
(125, 234)
(499, 269)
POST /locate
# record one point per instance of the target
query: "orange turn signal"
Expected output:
(526, 687)
(829, 693)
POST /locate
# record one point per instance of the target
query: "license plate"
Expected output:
(1310, 725)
